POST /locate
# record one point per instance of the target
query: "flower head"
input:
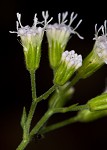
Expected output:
(70, 62)
(31, 39)
(101, 42)
(60, 32)
(58, 35)
(29, 35)
(98, 56)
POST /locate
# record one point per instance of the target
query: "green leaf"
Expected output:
(23, 118)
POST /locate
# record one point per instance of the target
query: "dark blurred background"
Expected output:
(15, 82)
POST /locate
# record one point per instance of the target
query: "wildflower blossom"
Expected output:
(70, 62)
(98, 56)
(58, 35)
(31, 39)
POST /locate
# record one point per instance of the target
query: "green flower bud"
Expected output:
(31, 39)
(98, 103)
(58, 35)
(64, 96)
(98, 56)
(87, 116)
(61, 97)
(70, 62)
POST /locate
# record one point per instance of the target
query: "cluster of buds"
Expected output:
(98, 56)
(70, 62)
(65, 63)
(58, 34)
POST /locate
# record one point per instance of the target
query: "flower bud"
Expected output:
(59, 99)
(98, 56)
(87, 116)
(58, 35)
(98, 103)
(70, 62)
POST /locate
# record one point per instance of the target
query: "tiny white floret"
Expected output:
(72, 59)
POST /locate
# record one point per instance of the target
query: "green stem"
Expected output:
(50, 112)
(58, 125)
(22, 145)
(33, 84)
(42, 121)
(33, 106)
(34, 102)
(26, 137)
(70, 108)
(30, 116)
(46, 94)
(65, 122)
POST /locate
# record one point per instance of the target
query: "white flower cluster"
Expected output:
(61, 28)
(72, 59)
(32, 35)
(60, 32)
(101, 42)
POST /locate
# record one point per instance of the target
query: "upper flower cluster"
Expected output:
(58, 34)
(101, 41)
(58, 31)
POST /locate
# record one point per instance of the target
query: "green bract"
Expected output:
(98, 103)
